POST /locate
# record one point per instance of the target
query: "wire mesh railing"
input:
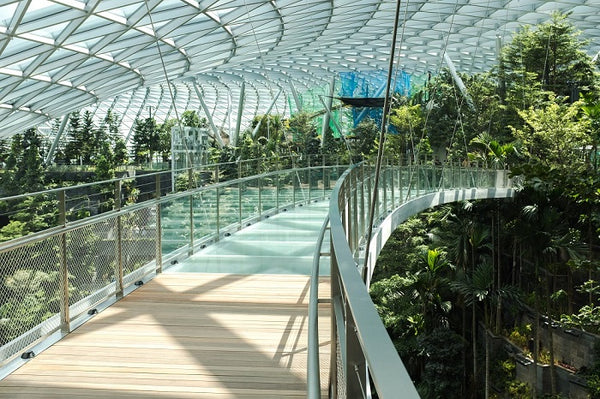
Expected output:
(53, 279)
(28, 213)
(364, 362)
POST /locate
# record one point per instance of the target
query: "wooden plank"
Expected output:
(182, 336)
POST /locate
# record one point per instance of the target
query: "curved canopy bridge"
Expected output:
(229, 319)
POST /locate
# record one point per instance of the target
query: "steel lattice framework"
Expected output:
(57, 56)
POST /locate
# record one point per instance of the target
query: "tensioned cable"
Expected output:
(386, 105)
(428, 108)
(260, 55)
(172, 96)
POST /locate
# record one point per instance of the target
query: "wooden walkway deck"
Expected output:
(186, 335)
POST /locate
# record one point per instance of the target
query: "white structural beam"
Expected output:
(211, 124)
(328, 109)
(238, 123)
(327, 116)
(267, 112)
(459, 82)
(296, 97)
(61, 129)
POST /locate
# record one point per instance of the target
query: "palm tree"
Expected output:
(479, 288)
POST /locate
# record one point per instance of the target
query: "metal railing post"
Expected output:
(218, 214)
(362, 198)
(277, 184)
(335, 297)
(384, 173)
(294, 174)
(191, 248)
(240, 214)
(157, 194)
(65, 320)
(354, 212)
(309, 179)
(400, 184)
(259, 197)
(119, 243)
(356, 366)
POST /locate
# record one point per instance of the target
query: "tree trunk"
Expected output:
(499, 266)
(487, 350)
(536, 345)
(474, 343)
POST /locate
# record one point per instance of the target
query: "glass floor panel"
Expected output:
(282, 244)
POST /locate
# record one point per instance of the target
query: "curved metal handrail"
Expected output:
(363, 324)
(365, 354)
(313, 372)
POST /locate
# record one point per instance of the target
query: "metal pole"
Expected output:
(191, 248)
(119, 242)
(386, 105)
(158, 228)
(65, 320)
(238, 124)
(209, 118)
(267, 113)
(59, 134)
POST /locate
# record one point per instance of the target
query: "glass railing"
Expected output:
(52, 280)
(363, 357)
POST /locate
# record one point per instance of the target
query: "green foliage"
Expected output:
(190, 118)
(145, 140)
(592, 375)
(519, 390)
(520, 335)
(363, 138)
(553, 136)
(442, 375)
(550, 53)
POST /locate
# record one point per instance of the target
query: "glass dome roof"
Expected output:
(57, 56)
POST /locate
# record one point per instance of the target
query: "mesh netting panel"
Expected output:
(341, 376)
(91, 259)
(29, 294)
(371, 84)
(312, 102)
(139, 243)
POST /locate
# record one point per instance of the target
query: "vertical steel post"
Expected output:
(65, 319)
(277, 184)
(362, 198)
(191, 248)
(119, 243)
(385, 175)
(309, 179)
(240, 214)
(158, 233)
(294, 174)
(218, 212)
(356, 366)
(354, 210)
(335, 296)
(259, 197)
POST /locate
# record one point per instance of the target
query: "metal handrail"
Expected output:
(363, 355)
(386, 368)
(313, 372)
(112, 233)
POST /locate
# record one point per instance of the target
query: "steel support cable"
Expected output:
(441, 60)
(401, 41)
(260, 56)
(386, 105)
(429, 108)
(172, 96)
